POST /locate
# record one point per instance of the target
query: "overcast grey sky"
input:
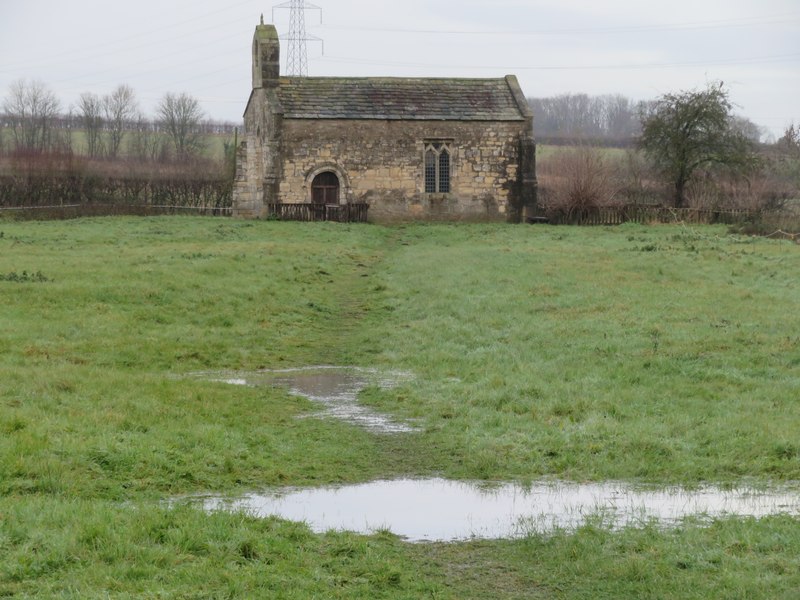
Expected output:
(638, 48)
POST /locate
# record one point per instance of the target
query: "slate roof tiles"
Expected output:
(392, 98)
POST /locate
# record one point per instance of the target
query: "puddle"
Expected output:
(334, 388)
(442, 510)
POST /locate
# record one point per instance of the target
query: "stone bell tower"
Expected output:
(258, 157)
(266, 56)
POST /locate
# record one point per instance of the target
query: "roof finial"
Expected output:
(262, 18)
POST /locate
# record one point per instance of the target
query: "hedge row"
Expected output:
(57, 189)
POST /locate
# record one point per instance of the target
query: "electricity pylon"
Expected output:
(297, 55)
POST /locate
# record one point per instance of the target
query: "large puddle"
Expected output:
(335, 389)
(442, 510)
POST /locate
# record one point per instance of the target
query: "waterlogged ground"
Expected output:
(336, 389)
(441, 510)
(664, 356)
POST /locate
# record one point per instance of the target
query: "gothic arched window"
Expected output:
(438, 160)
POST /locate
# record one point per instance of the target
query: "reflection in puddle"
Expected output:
(335, 388)
(442, 510)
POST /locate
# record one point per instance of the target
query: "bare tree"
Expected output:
(791, 139)
(119, 108)
(31, 109)
(180, 115)
(747, 128)
(145, 142)
(620, 117)
(580, 116)
(571, 115)
(91, 114)
(62, 138)
(578, 179)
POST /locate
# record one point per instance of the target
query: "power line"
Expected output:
(719, 62)
(780, 19)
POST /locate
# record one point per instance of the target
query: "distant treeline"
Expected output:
(75, 122)
(111, 126)
(607, 120)
(106, 155)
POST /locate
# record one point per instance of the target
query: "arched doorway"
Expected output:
(325, 188)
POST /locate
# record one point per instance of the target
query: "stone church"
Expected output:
(410, 148)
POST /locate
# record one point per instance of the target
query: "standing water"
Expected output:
(336, 389)
(442, 510)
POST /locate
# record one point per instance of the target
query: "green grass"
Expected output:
(663, 354)
(547, 151)
(143, 552)
(731, 559)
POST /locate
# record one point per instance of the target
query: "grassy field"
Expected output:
(654, 354)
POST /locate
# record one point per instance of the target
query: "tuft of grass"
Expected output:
(24, 277)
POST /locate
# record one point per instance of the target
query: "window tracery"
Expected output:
(438, 162)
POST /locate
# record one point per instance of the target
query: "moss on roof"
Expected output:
(392, 98)
(266, 32)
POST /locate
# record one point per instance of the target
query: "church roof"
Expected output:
(402, 98)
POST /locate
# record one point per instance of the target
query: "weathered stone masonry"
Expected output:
(372, 134)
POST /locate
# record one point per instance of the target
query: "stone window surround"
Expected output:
(344, 181)
(442, 143)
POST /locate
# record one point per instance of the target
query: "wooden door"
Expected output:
(325, 188)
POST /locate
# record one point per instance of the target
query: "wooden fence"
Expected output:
(355, 212)
(637, 213)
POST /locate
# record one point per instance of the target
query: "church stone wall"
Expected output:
(258, 157)
(382, 163)
(298, 128)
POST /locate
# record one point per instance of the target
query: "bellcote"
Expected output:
(266, 56)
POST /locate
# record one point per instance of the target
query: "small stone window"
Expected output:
(438, 161)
